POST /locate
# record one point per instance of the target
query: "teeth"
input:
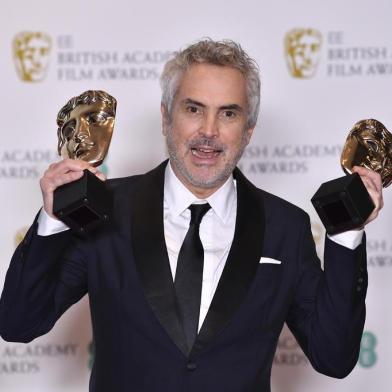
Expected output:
(206, 150)
(198, 151)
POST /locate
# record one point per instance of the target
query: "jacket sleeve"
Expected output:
(41, 283)
(327, 314)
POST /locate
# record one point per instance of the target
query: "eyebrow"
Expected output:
(233, 106)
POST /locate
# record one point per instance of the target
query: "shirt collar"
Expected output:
(178, 197)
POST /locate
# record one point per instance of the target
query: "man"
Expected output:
(258, 262)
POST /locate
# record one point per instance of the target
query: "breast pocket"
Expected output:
(267, 281)
(271, 295)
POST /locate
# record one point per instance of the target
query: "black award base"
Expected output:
(83, 204)
(343, 204)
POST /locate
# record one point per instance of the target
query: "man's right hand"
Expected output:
(61, 173)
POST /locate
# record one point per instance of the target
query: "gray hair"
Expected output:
(224, 53)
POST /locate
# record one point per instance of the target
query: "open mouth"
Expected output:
(205, 152)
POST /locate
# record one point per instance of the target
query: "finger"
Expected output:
(373, 184)
(374, 192)
(100, 175)
(370, 174)
(50, 183)
(68, 165)
(369, 184)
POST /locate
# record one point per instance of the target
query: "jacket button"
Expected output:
(191, 366)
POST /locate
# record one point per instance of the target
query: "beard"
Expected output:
(216, 176)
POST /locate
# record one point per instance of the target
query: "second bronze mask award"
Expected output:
(85, 127)
(344, 203)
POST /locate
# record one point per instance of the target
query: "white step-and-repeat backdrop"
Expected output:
(324, 66)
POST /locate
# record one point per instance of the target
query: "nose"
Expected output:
(210, 126)
(82, 131)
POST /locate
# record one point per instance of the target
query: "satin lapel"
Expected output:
(241, 264)
(150, 252)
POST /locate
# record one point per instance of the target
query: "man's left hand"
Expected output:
(372, 181)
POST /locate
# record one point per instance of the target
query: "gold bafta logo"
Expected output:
(31, 52)
(302, 50)
(20, 234)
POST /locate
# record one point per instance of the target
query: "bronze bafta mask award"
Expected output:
(85, 127)
(344, 203)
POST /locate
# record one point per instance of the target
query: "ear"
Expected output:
(165, 120)
(248, 134)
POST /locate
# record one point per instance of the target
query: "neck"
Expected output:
(201, 193)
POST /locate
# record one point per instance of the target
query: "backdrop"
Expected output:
(324, 66)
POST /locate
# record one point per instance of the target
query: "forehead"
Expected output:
(209, 83)
(38, 42)
(84, 109)
(309, 38)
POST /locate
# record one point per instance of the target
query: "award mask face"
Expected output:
(302, 47)
(31, 55)
(369, 144)
(86, 125)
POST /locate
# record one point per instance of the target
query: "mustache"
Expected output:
(206, 142)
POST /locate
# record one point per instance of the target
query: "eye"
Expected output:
(193, 109)
(314, 47)
(68, 130)
(372, 145)
(94, 118)
(229, 113)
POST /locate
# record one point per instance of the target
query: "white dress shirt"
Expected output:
(216, 230)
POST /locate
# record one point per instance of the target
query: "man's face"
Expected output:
(206, 132)
(87, 133)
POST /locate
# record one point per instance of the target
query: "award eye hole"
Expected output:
(68, 130)
(373, 146)
(94, 118)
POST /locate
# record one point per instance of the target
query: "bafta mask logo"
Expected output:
(85, 126)
(369, 144)
(31, 52)
(302, 50)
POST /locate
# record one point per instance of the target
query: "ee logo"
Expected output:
(367, 354)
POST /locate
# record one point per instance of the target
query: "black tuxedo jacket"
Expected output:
(139, 341)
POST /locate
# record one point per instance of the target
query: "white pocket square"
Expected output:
(268, 260)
